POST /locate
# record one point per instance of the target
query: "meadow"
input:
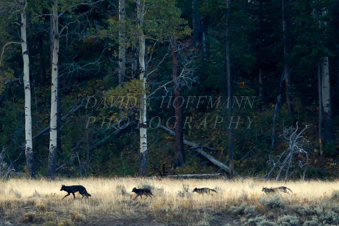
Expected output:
(39, 202)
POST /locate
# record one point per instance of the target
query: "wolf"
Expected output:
(141, 192)
(268, 190)
(284, 189)
(204, 190)
(273, 190)
(75, 188)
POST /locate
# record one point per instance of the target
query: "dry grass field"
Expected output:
(39, 202)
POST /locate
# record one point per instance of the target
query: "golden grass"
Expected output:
(44, 199)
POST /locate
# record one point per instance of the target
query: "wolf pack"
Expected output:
(147, 192)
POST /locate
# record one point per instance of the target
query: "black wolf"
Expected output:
(273, 190)
(74, 188)
(204, 190)
(141, 192)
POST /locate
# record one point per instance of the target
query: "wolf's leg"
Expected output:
(73, 195)
(66, 195)
(136, 197)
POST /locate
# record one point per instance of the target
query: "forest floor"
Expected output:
(39, 202)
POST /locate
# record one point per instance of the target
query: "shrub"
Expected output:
(272, 202)
(335, 195)
(122, 190)
(289, 220)
(266, 223)
(75, 216)
(309, 210)
(259, 221)
(49, 223)
(28, 217)
(41, 208)
(185, 188)
(67, 222)
(49, 216)
(313, 222)
(250, 211)
(15, 192)
(329, 217)
(185, 192)
(243, 196)
(239, 210)
(298, 209)
(36, 194)
(203, 223)
(270, 215)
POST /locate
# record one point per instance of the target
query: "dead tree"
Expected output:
(296, 143)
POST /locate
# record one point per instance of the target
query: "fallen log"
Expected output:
(195, 176)
(198, 149)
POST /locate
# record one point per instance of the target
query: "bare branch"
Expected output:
(295, 145)
(4, 47)
(185, 71)
(76, 20)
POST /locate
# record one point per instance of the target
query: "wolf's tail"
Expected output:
(214, 190)
(290, 190)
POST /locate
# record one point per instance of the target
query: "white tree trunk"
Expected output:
(122, 44)
(28, 115)
(54, 93)
(143, 107)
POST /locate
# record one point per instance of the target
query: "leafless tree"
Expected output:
(296, 143)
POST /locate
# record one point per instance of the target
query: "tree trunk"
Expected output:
(286, 55)
(122, 44)
(229, 95)
(142, 77)
(326, 101)
(54, 94)
(197, 33)
(320, 122)
(260, 51)
(134, 48)
(276, 107)
(27, 87)
(179, 143)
